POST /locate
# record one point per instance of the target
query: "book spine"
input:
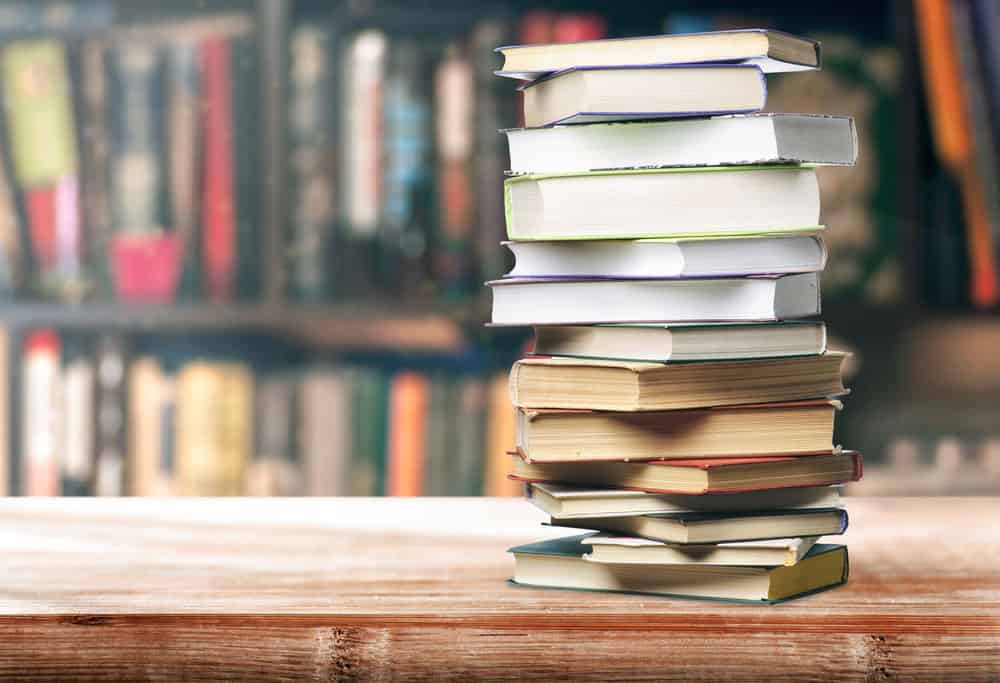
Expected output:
(79, 392)
(111, 424)
(95, 161)
(145, 436)
(436, 438)
(311, 162)
(365, 453)
(8, 388)
(184, 144)
(40, 415)
(214, 431)
(325, 413)
(245, 76)
(166, 483)
(500, 437)
(470, 436)
(408, 407)
(218, 220)
(274, 470)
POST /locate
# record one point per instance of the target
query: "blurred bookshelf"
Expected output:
(247, 256)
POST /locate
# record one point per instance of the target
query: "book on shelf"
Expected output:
(763, 138)
(716, 475)
(565, 301)
(40, 414)
(561, 563)
(772, 51)
(439, 455)
(665, 343)
(245, 77)
(600, 95)
(793, 428)
(611, 549)
(566, 501)
(78, 418)
(407, 425)
(275, 469)
(112, 359)
(369, 413)
(670, 202)
(684, 258)
(324, 439)
(470, 435)
(700, 528)
(501, 428)
(146, 388)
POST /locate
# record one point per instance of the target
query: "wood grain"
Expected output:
(359, 589)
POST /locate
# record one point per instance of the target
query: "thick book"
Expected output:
(714, 141)
(324, 431)
(550, 301)
(720, 527)
(682, 343)
(408, 411)
(772, 51)
(668, 202)
(579, 384)
(612, 549)
(717, 475)
(691, 258)
(560, 563)
(566, 501)
(599, 95)
(792, 428)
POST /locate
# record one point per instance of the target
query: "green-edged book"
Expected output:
(369, 393)
(560, 563)
(662, 203)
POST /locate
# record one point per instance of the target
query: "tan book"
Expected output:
(635, 386)
(792, 428)
(324, 431)
(145, 427)
(630, 550)
(716, 475)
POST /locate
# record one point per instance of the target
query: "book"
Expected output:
(95, 155)
(184, 141)
(670, 202)
(725, 257)
(40, 414)
(214, 428)
(708, 141)
(8, 389)
(439, 454)
(717, 475)
(324, 436)
(501, 429)
(560, 563)
(408, 409)
(469, 432)
(682, 343)
(146, 382)
(633, 386)
(244, 84)
(564, 501)
(772, 51)
(539, 301)
(792, 428)
(719, 527)
(112, 352)
(275, 469)
(78, 419)
(369, 399)
(629, 550)
(599, 95)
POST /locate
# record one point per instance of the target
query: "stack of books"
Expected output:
(676, 404)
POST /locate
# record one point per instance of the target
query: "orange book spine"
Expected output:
(950, 128)
(500, 438)
(407, 429)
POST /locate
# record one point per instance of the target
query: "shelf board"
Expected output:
(365, 324)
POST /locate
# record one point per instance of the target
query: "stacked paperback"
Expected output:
(679, 404)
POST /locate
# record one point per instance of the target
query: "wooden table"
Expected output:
(415, 588)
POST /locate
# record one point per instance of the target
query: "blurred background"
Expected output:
(242, 244)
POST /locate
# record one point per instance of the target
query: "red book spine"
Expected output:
(217, 213)
(41, 209)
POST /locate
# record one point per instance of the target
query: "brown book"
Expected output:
(634, 386)
(792, 428)
(700, 476)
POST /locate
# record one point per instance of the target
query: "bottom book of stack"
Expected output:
(754, 546)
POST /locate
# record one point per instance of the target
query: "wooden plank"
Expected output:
(392, 588)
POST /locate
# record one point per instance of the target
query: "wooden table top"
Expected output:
(391, 588)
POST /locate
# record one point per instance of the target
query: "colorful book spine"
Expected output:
(40, 406)
(500, 437)
(145, 437)
(217, 211)
(111, 423)
(79, 389)
(408, 407)
(184, 135)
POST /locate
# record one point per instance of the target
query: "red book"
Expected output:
(716, 475)
(217, 211)
(572, 28)
(41, 209)
(40, 414)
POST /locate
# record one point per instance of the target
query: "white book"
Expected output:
(614, 94)
(668, 258)
(562, 302)
(715, 141)
(565, 501)
(672, 202)
(629, 550)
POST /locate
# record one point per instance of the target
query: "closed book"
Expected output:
(111, 416)
(613, 549)
(501, 432)
(244, 84)
(773, 51)
(470, 429)
(792, 428)
(40, 413)
(629, 386)
(145, 428)
(567, 501)
(682, 343)
(598, 95)
(184, 141)
(369, 396)
(214, 428)
(78, 419)
(275, 469)
(408, 410)
(719, 527)
(669, 202)
(95, 156)
(438, 437)
(559, 301)
(324, 431)
(560, 563)
(717, 475)
(668, 258)
(710, 141)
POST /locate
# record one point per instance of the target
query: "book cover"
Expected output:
(408, 410)
(324, 431)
